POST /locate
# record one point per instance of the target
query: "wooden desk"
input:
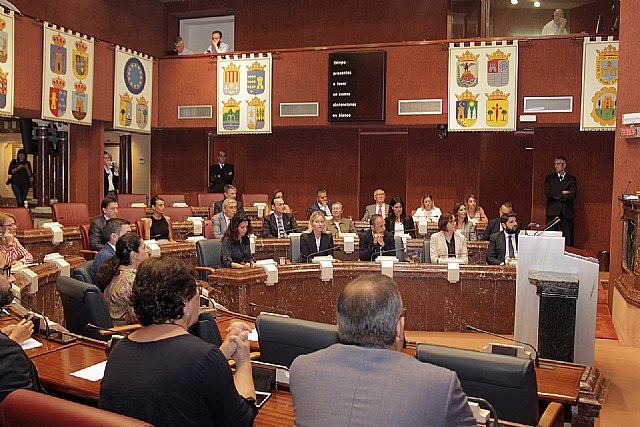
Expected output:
(38, 241)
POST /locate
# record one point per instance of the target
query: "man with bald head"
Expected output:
(557, 26)
(366, 379)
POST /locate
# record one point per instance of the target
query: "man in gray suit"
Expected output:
(366, 379)
(379, 207)
(221, 220)
(97, 238)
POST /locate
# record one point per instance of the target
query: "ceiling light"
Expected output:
(514, 2)
(536, 3)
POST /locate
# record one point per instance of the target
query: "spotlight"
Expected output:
(536, 3)
(514, 2)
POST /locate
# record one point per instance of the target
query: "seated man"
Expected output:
(17, 370)
(338, 224)
(178, 45)
(279, 223)
(113, 229)
(217, 45)
(230, 192)
(557, 26)
(503, 245)
(221, 220)
(97, 238)
(321, 203)
(367, 379)
(376, 241)
(379, 207)
(494, 224)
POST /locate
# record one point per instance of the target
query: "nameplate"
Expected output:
(56, 229)
(271, 270)
(349, 242)
(153, 246)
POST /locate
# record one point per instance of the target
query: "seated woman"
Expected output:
(339, 224)
(165, 376)
(315, 241)
(465, 227)
(475, 212)
(10, 247)
(397, 220)
(447, 243)
(116, 275)
(427, 210)
(236, 251)
(158, 227)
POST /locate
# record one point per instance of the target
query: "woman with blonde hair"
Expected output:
(315, 241)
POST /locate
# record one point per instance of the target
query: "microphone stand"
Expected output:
(39, 313)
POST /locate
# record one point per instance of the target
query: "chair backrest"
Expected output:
(70, 214)
(209, 254)
(282, 339)
(29, 408)
(170, 199)
(126, 200)
(23, 217)
(132, 214)
(84, 234)
(294, 249)
(426, 254)
(208, 199)
(248, 199)
(508, 383)
(399, 248)
(207, 229)
(83, 303)
(178, 214)
(206, 329)
(83, 272)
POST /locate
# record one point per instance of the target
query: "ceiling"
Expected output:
(545, 4)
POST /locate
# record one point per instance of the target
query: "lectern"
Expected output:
(545, 252)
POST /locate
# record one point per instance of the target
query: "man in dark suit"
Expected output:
(376, 240)
(230, 192)
(494, 224)
(97, 239)
(220, 174)
(322, 203)
(503, 245)
(560, 189)
(279, 223)
(366, 379)
(113, 229)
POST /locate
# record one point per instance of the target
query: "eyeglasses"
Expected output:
(9, 225)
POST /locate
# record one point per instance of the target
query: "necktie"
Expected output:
(511, 251)
(561, 178)
(380, 210)
(281, 232)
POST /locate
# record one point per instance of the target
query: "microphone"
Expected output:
(125, 330)
(39, 313)
(535, 350)
(549, 226)
(533, 224)
(626, 190)
(377, 254)
(320, 252)
(254, 305)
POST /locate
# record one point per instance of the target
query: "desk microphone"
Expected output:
(321, 252)
(533, 224)
(288, 312)
(93, 327)
(377, 254)
(535, 350)
(626, 190)
(549, 226)
(39, 313)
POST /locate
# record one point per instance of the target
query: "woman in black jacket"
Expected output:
(20, 180)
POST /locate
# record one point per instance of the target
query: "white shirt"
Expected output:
(398, 227)
(432, 215)
(550, 29)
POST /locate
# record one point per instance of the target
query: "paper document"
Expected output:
(253, 335)
(91, 373)
(30, 343)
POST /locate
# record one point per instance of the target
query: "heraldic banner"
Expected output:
(483, 80)
(244, 94)
(67, 65)
(6, 64)
(132, 91)
(599, 84)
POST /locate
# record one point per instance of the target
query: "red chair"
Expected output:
(212, 212)
(29, 408)
(86, 250)
(125, 200)
(132, 214)
(207, 229)
(178, 214)
(208, 199)
(71, 214)
(23, 217)
(249, 199)
(170, 199)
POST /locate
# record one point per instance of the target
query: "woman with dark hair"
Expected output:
(397, 220)
(465, 227)
(475, 212)
(315, 240)
(116, 275)
(165, 376)
(447, 243)
(158, 227)
(236, 251)
(20, 180)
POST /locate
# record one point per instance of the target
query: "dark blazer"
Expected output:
(407, 223)
(559, 204)
(218, 178)
(316, 207)
(270, 226)
(308, 245)
(116, 179)
(234, 252)
(498, 248)
(18, 372)
(96, 235)
(369, 251)
(494, 226)
(217, 206)
(105, 253)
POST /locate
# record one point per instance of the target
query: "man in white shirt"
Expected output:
(322, 203)
(178, 45)
(221, 220)
(217, 45)
(379, 208)
(557, 26)
(503, 245)
(279, 223)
